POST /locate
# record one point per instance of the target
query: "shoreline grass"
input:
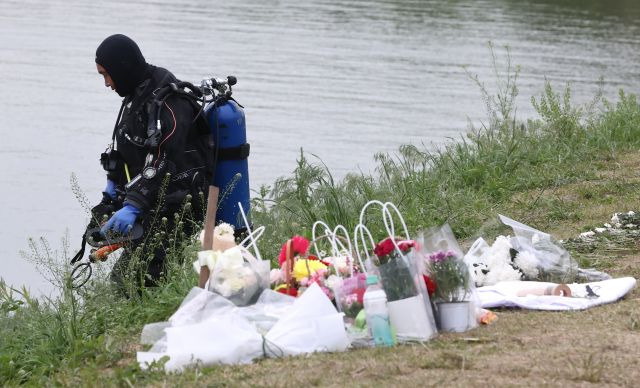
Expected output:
(563, 172)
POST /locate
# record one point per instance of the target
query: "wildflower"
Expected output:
(600, 230)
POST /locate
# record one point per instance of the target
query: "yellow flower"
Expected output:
(300, 269)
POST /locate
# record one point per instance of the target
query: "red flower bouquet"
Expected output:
(385, 250)
(394, 270)
(298, 269)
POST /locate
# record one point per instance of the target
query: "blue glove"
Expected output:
(110, 190)
(122, 221)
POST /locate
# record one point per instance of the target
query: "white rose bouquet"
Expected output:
(238, 276)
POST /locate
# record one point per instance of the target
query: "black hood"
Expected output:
(122, 59)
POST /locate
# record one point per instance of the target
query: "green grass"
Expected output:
(551, 172)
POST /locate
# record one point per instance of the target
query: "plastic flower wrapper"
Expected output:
(223, 239)
(529, 255)
(395, 271)
(554, 263)
(299, 270)
(395, 261)
(349, 294)
(450, 275)
(345, 280)
(208, 329)
(238, 276)
(442, 261)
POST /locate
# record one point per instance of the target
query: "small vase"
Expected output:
(453, 316)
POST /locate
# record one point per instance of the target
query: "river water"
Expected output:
(341, 79)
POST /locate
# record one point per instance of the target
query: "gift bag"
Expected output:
(349, 281)
(236, 273)
(238, 276)
(394, 261)
(453, 291)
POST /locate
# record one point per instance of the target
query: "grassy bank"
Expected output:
(563, 172)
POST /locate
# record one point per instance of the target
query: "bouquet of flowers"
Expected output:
(394, 270)
(346, 279)
(449, 278)
(349, 294)
(234, 272)
(238, 276)
(299, 270)
(450, 275)
(529, 255)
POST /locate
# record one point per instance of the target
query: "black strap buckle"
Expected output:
(234, 153)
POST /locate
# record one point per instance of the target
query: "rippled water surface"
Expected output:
(342, 79)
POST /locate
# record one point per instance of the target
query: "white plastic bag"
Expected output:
(437, 245)
(410, 310)
(238, 276)
(555, 264)
(208, 329)
(349, 282)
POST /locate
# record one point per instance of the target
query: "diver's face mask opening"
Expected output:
(108, 81)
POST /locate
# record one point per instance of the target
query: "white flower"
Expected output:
(528, 263)
(615, 219)
(223, 289)
(496, 262)
(631, 213)
(275, 276)
(340, 263)
(502, 273)
(608, 226)
(232, 277)
(207, 258)
(223, 229)
(230, 259)
(600, 230)
(587, 234)
(235, 284)
(630, 226)
(333, 281)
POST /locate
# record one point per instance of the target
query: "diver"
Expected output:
(159, 162)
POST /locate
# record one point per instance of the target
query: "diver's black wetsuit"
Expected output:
(141, 173)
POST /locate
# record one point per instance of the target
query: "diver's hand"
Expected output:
(122, 221)
(110, 190)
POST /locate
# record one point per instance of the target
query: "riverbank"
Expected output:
(566, 172)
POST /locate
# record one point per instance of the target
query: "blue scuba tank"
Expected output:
(231, 175)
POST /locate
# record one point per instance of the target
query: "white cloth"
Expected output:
(208, 329)
(505, 294)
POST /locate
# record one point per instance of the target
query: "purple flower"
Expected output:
(437, 257)
(441, 256)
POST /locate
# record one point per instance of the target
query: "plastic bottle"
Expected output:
(377, 314)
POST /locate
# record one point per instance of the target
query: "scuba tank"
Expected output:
(229, 134)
